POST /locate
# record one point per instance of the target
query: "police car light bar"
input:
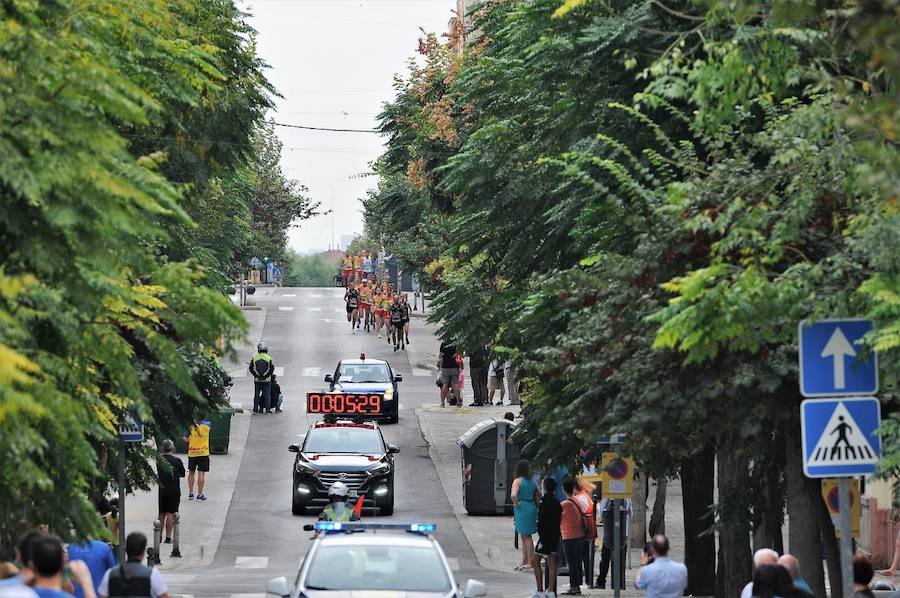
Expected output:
(355, 526)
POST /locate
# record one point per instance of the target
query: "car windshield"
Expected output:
(363, 372)
(344, 440)
(395, 568)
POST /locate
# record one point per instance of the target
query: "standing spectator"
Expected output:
(606, 512)
(449, 372)
(572, 530)
(495, 381)
(11, 584)
(133, 579)
(16, 581)
(277, 397)
(862, 575)
(763, 556)
(525, 498)
(478, 375)
(512, 380)
(548, 539)
(97, 556)
(584, 491)
(790, 562)
(895, 563)
(659, 575)
(169, 476)
(198, 456)
(262, 368)
(48, 562)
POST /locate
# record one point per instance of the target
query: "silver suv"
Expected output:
(347, 558)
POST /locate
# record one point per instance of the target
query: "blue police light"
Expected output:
(422, 528)
(358, 526)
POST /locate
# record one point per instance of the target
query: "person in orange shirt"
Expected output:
(347, 267)
(358, 266)
(572, 530)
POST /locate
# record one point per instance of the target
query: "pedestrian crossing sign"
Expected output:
(840, 436)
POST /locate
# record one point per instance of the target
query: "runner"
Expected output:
(347, 268)
(404, 303)
(368, 264)
(365, 303)
(351, 297)
(397, 323)
(388, 300)
(358, 266)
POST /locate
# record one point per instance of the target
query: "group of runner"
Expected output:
(357, 268)
(373, 305)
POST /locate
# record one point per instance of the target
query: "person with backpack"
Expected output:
(573, 529)
(262, 368)
(584, 495)
(133, 579)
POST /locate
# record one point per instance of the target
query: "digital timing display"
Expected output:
(344, 403)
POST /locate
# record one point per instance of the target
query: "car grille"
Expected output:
(354, 481)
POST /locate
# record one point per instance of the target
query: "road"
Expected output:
(307, 333)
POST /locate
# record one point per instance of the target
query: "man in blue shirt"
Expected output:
(98, 557)
(659, 575)
(48, 562)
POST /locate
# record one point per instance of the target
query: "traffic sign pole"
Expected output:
(617, 558)
(846, 537)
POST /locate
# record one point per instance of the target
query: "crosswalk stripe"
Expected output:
(421, 372)
(285, 308)
(238, 374)
(312, 372)
(315, 309)
(340, 310)
(279, 370)
(251, 562)
(289, 295)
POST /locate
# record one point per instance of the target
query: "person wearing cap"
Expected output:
(262, 368)
(338, 508)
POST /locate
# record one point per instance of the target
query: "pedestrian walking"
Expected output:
(495, 382)
(169, 473)
(448, 372)
(48, 563)
(478, 374)
(659, 575)
(525, 498)
(262, 368)
(198, 456)
(97, 556)
(572, 528)
(549, 515)
(134, 579)
(763, 556)
(275, 393)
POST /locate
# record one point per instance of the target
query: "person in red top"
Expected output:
(572, 530)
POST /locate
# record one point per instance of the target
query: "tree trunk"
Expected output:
(767, 533)
(658, 516)
(698, 487)
(639, 518)
(829, 544)
(804, 535)
(734, 522)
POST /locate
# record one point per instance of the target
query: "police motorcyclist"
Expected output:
(262, 368)
(338, 508)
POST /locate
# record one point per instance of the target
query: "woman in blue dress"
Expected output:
(525, 497)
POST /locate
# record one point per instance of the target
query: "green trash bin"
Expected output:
(219, 434)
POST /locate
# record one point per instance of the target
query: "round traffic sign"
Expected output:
(618, 469)
(834, 502)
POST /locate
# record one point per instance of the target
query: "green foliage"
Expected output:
(307, 271)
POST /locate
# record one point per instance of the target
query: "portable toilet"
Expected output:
(488, 466)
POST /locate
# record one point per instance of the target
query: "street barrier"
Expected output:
(157, 540)
(176, 534)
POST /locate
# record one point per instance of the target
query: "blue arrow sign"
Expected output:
(840, 436)
(831, 359)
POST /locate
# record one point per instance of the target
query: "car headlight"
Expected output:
(389, 394)
(303, 467)
(379, 469)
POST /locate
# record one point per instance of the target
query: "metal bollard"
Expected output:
(157, 540)
(176, 551)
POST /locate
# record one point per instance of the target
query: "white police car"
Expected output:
(348, 559)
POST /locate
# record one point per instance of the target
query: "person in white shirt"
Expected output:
(659, 575)
(763, 556)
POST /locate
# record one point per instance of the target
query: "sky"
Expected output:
(334, 62)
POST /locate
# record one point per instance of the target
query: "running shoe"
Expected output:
(201, 497)
(191, 496)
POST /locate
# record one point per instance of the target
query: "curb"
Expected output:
(462, 517)
(426, 366)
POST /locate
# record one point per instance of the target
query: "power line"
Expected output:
(307, 128)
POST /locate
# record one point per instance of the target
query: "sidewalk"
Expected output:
(202, 523)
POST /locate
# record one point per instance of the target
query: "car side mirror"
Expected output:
(278, 587)
(398, 378)
(294, 448)
(329, 378)
(309, 527)
(393, 449)
(474, 589)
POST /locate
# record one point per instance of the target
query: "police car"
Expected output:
(395, 559)
(351, 451)
(369, 376)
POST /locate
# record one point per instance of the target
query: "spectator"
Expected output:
(862, 575)
(169, 476)
(790, 562)
(766, 581)
(659, 575)
(449, 373)
(548, 540)
(786, 586)
(111, 520)
(525, 498)
(48, 562)
(763, 556)
(478, 373)
(895, 563)
(97, 556)
(11, 584)
(495, 381)
(584, 495)
(133, 579)
(277, 397)
(572, 530)
(198, 456)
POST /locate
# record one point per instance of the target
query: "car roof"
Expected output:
(377, 538)
(363, 362)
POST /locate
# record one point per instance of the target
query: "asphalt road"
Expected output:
(307, 333)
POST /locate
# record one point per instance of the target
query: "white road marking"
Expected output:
(312, 372)
(247, 596)
(251, 562)
(315, 309)
(238, 374)
(285, 308)
(289, 295)
(279, 370)
(421, 372)
(454, 563)
(316, 296)
(399, 406)
(340, 310)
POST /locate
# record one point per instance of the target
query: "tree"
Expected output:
(307, 271)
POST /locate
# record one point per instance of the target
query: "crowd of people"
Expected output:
(374, 305)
